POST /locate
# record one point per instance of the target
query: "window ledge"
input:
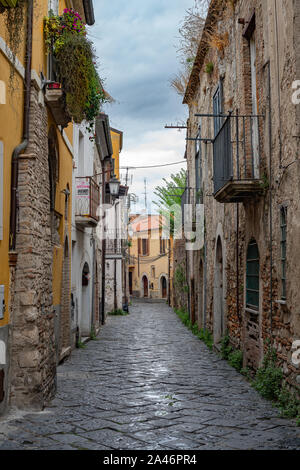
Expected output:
(250, 310)
(281, 302)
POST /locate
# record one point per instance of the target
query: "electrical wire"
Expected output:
(151, 166)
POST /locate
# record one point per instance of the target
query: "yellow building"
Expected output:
(150, 261)
(36, 164)
(117, 145)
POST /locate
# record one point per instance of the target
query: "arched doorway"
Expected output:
(163, 286)
(219, 326)
(200, 296)
(145, 286)
(85, 300)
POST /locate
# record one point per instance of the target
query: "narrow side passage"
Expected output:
(148, 383)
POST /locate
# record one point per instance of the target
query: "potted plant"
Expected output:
(9, 3)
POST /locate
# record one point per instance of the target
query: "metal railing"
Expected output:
(236, 149)
(87, 197)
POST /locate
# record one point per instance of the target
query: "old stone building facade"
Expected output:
(243, 165)
(36, 135)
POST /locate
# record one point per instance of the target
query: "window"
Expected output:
(252, 276)
(1, 190)
(163, 244)
(283, 225)
(218, 108)
(53, 6)
(143, 246)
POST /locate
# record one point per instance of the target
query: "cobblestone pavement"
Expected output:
(148, 383)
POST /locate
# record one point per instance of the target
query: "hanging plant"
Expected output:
(57, 27)
(14, 16)
(65, 37)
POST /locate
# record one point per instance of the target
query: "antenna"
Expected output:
(145, 193)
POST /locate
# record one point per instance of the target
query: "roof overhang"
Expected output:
(211, 19)
(89, 11)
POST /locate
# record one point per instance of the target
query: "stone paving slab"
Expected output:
(148, 383)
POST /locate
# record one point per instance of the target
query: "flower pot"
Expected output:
(54, 86)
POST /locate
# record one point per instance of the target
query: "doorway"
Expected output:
(218, 295)
(145, 286)
(163, 283)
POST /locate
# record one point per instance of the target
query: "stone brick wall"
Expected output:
(257, 218)
(33, 364)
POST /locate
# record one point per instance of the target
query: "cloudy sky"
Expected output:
(135, 43)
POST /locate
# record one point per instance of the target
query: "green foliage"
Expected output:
(65, 36)
(14, 20)
(265, 184)
(93, 335)
(269, 377)
(180, 279)
(288, 403)
(118, 312)
(246, 372)
(169, 197)
(206, 336)
(80, 344)
(235, 359)
(226, 348)
(209, 68)
(203, 334)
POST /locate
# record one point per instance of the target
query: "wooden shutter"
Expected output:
(1, 191)
(218, 108)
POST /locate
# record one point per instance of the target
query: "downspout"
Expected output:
(93, 285)
(103, 248)
(271, 199)
(23, 145)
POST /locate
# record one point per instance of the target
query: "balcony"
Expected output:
(114, 238)
(236, 153)
(55, 99)
(87, 202)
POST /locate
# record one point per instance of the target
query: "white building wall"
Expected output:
(82, 246)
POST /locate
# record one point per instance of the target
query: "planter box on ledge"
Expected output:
(9, 3)
(54, 98)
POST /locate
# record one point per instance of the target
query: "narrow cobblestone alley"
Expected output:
(148, 383)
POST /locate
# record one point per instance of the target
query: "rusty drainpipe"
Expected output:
(23, 145)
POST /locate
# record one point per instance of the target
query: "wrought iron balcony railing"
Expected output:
(236, 150)
(236, 158)
(87, 201)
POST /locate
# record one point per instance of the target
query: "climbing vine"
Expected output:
(65, 38)
(14, 21)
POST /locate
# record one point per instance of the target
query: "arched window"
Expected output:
(85, 275)
(252, 276)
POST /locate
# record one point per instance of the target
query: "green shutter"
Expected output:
(252, 276)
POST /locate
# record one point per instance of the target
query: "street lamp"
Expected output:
(114, 186)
